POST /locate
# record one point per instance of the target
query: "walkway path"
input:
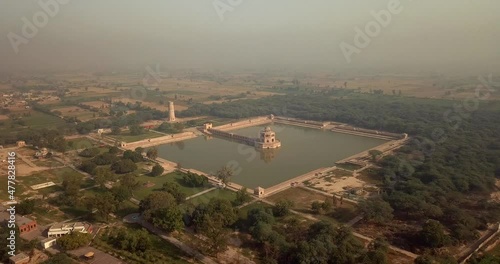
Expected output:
(200, 193)
(27, 161)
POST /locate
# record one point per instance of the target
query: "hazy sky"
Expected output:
(116, 34)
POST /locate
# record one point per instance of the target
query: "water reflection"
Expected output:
(267, 155)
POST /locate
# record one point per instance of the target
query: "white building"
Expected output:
(62, 229)
(48, 242)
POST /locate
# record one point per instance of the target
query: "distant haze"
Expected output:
(437, 35)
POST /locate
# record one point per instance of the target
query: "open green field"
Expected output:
(54, 175)
(39, 120)
(127, 137)
(36, 120)
(158, 181)
(47, 163)
(217, 193)
(80, 143)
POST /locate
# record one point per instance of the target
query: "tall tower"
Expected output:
(171, 111)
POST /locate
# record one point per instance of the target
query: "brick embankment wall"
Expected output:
(160, 140)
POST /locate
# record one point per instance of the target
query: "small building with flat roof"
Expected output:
(20, 258)
(48, 242)
(62, 229)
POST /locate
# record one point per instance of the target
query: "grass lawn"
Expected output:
(217, 193)
(126, 208)
(39, 120)
(127, 137)
(36, 120)
(93, 192)
(81, 143)
(47, 163)
(158, 181)
(54, 175)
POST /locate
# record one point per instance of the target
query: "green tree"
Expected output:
(282, 208)
(113, 150)
(59, 258)
(242, 196)
(121, 193)
(71, 187)
(152, 153)
(102, 205)
(139, 150)
(194, 180)
(224, 174)
(133, 156)
(104, 159)
(89, 152)
(156, 200)
(433, 235)
(174, 189)
(168, 219)
(375, 154)
(376, 210)
(88, 166)
(124, 166)
(136, 130)
(103, 175)
(115, 130)
(73, 240)
(26, 206)
(157, 170)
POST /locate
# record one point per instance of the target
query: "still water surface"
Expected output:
(302, 150)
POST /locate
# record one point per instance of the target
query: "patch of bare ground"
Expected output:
(402, 234)
(396, 258)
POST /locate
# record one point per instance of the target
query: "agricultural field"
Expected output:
(31, 119)
(75, 111)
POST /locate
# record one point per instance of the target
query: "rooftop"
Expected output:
(19, 257)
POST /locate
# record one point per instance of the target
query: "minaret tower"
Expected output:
(171, 111)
